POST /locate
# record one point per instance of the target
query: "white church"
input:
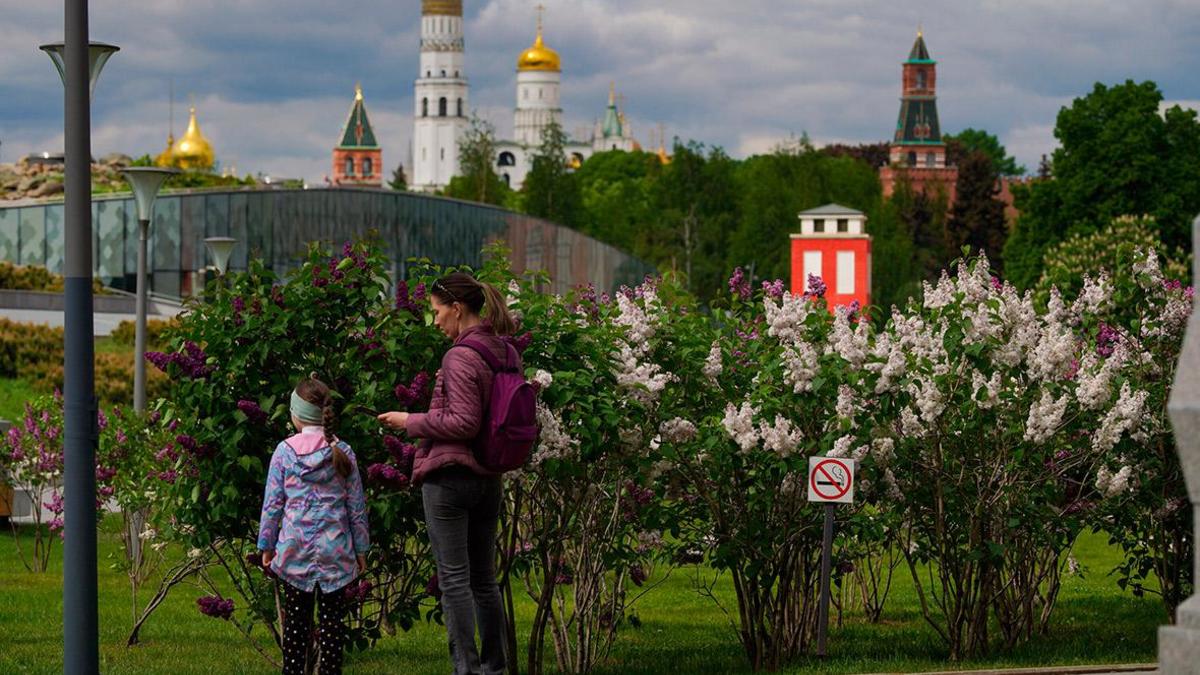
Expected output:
(440, 98)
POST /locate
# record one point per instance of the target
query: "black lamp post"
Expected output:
(79, 63)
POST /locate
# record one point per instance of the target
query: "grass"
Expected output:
(13, 395)
(681, 631)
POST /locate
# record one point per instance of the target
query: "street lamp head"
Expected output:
(146, 181)
(98, 54)
(220, 249)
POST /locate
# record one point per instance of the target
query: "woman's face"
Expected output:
(447, 317)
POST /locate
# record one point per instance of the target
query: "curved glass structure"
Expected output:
(277, 226)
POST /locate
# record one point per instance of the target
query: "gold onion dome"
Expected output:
(443, 7)
(193, 151)
(539, 56)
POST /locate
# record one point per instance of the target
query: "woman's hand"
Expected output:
(268, 556)
(395, 420)
(362, 565)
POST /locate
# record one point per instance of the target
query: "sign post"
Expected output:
(831, 482)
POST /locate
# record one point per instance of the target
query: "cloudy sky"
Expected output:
(273, 79)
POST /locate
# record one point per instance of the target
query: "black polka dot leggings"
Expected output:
(298, 626)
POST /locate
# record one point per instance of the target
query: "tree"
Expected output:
(1118, 155)
(617, 192)
(399, 180)
(477, 180)
(550, 189)
(977, 218)
(962, 144)
(874, 154)
(924, 217)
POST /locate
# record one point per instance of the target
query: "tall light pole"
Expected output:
(145, 181)
(79, 63)
(219, 249)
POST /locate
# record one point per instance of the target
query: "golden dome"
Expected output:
(539, 56)
(193, 151)
(444, 7)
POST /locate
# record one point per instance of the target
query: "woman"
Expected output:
(462, 499)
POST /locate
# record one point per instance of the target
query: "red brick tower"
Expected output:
(918, 152)
(358, 159)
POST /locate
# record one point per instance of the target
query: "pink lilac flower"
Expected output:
(121, 437)
(356, 593)
(252, 411)
(101, 419)
(520, 342)
(738, 285)
(169, 476)
(215, 606)
(1106, 340)
(637, 575)
(104, 473)
(404, 301)
(387, 475)
(997, 285)
(816, 287)
(414, 392)
(774, 289)
(432, 588)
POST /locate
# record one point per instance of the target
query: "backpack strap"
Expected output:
(489, 357)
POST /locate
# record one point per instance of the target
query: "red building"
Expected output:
(917, 152)
(833, 244)
(358, 159)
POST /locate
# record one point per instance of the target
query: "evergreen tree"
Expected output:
(477, 180)
(977, 219)
(550, 189)
(399, 180)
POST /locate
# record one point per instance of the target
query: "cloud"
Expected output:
(273, 78)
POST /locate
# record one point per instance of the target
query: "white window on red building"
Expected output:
(845, 272)
(812, 264)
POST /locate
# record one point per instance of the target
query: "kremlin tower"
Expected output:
(358, 159)
(917, 151)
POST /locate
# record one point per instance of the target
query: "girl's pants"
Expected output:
(298, 625)
(462, 511)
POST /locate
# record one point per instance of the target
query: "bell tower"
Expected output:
(439, 96)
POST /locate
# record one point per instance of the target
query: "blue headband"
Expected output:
(306, 412)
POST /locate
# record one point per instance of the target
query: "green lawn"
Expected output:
(682, 632)
(13, 395)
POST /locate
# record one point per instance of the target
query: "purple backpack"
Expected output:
(509, 427)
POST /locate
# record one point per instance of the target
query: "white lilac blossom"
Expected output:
(1126, 412)
(1094, 377)
(1146, 270)
(542, 379)
(991, 388)
(1112, 485)
(893, 487)
(645, 380)
(553, 440)
(677, 430)
(712, 364)
(883, 449)
(739, 424)
(636, 322)
(785, 319)
(847, 404)
(1095, 298)
(800, 366)
(928, 399)
(849, 343)
(910, 424)
(782, 437)
(514, 293)
(890, 363)
(1045, 416)
(941, 295)
(1055, 350)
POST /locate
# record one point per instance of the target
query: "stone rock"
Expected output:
(29, 182)
(116, 159)
(46, 189)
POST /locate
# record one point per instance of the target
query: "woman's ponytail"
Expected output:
(496, 310)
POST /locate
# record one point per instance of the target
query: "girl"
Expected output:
(461, 498)
(313, 531)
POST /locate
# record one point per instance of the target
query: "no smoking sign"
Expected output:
(830, 480)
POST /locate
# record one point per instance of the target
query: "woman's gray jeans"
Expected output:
(462, 512)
